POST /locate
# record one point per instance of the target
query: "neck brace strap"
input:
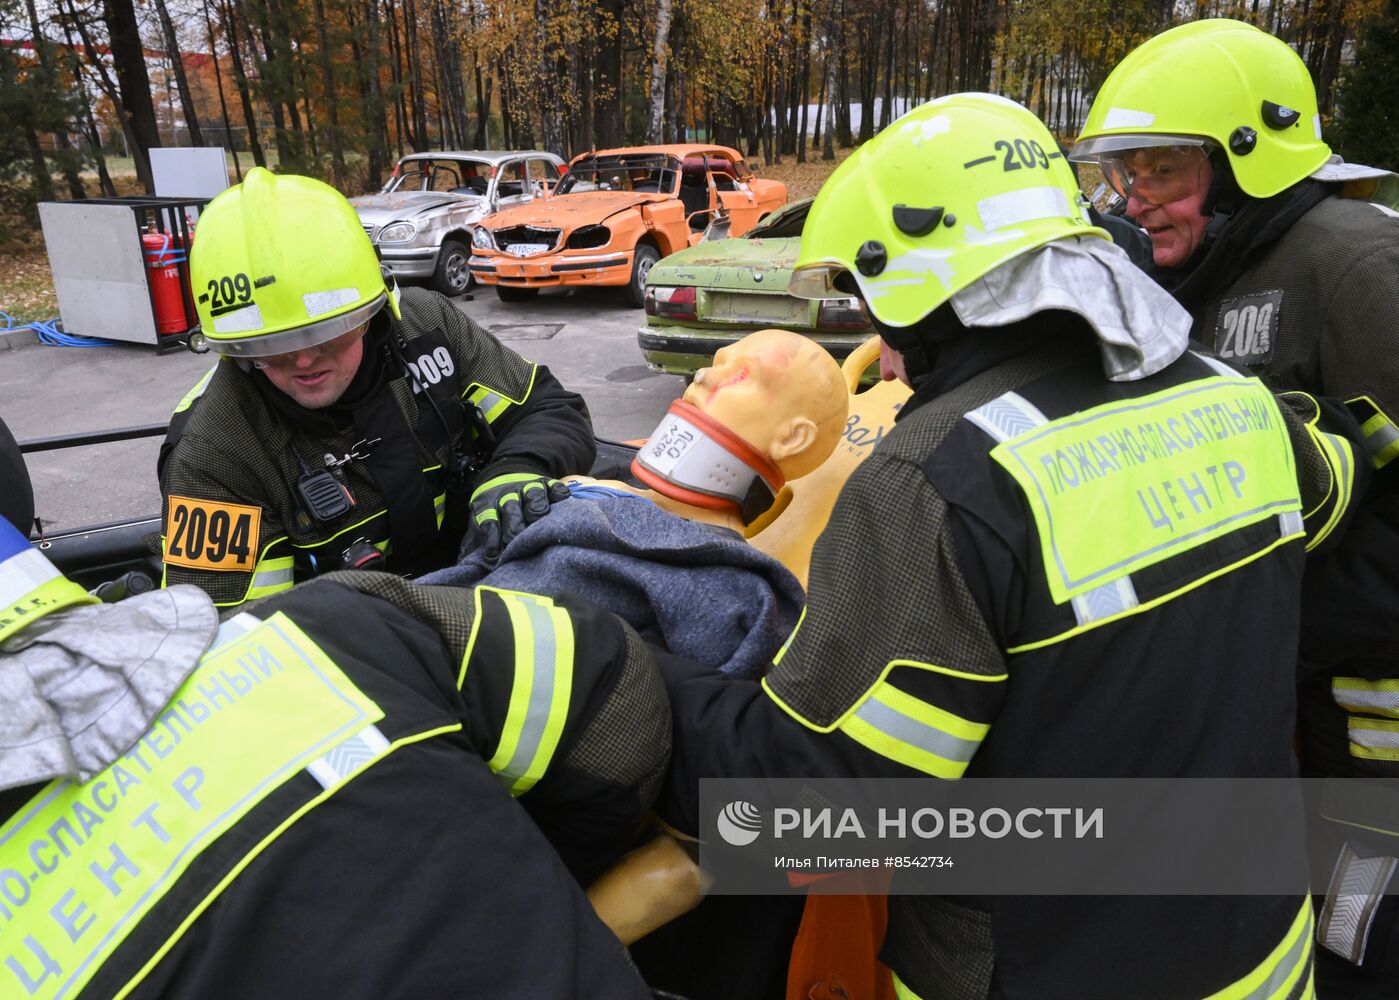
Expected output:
(695, 459)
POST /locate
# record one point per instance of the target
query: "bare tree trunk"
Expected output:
(418, 103)
(805, 95)
(365, 52)
(129, 61)
(550, 118)
(104, 79)
(483, 109)
(67, 160)
(611, 114)
(177, 63)
(660, 50)
(401, 119)
(94, 137)
(218, 83)
(240, 81)
(332, 100)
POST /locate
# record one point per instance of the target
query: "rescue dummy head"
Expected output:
(771, 408)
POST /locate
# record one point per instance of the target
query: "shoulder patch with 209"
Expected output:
(205, 534)
(1247, 328)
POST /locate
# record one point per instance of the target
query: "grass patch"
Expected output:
(26, 287)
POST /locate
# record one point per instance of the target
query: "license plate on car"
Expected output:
(527, 249)
(757, 308)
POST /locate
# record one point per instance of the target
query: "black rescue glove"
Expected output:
(501, 507)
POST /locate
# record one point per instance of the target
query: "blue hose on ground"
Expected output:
(49, 333)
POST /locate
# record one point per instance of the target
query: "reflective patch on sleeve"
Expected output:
(81, 866)
(204, 534)
(1168, 472)
(1356, 694)
(1373, 739)
(1381, 440)
(915, 733)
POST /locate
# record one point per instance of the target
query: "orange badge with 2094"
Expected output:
(205, 534)
(615, 213)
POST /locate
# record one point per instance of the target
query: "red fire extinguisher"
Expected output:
(164, 255)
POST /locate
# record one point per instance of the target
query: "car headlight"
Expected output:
(589, 238)
(481, 239)
(398, 232)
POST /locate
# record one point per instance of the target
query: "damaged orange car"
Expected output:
(615, 213)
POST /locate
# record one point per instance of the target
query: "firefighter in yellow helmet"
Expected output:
(1288, 260)
(347, 423)
(976, 607)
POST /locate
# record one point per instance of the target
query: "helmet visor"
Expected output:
(297, 339)
(822, 279)
(1157, 173)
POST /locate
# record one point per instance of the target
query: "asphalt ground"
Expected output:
(587, 337)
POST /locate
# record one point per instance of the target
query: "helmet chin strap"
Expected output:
(696, 460)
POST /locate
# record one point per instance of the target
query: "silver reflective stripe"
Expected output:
(283, 576)
(1381, 437)
(1219, 366)
(1344, 473)
(489, 402)
(1357, 886)
(1103, 602)
(1371, 736)
(1365, 699)
(1287, 965)
(1290, 524)
(23, 573)
(1007, 416)
(541, 693)
(341, 762)
(235, 628)
(906, 729)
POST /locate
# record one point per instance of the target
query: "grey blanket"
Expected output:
(701, 592)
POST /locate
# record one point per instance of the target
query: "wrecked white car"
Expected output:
(422, 220)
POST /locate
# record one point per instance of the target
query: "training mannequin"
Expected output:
(770, 409)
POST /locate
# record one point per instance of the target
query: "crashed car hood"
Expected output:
(377, 209)
(731, 264)
(569, 211)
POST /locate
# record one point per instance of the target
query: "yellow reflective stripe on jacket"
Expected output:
(493, 403)
(1381, 439)
(1340, 457)
(257, 712)
(1356, 694)
(271, 576)
(1381, 436)
(196, 392)
(439, 507)
(1373, 739)
(913, 732)
(1277, 975)
(540, 692)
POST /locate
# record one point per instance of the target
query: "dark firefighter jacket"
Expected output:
(327, 811)
(405, 449)
(940, 639)
(1315, 311)
(1309, 304)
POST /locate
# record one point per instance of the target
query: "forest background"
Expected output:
(341, 88)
